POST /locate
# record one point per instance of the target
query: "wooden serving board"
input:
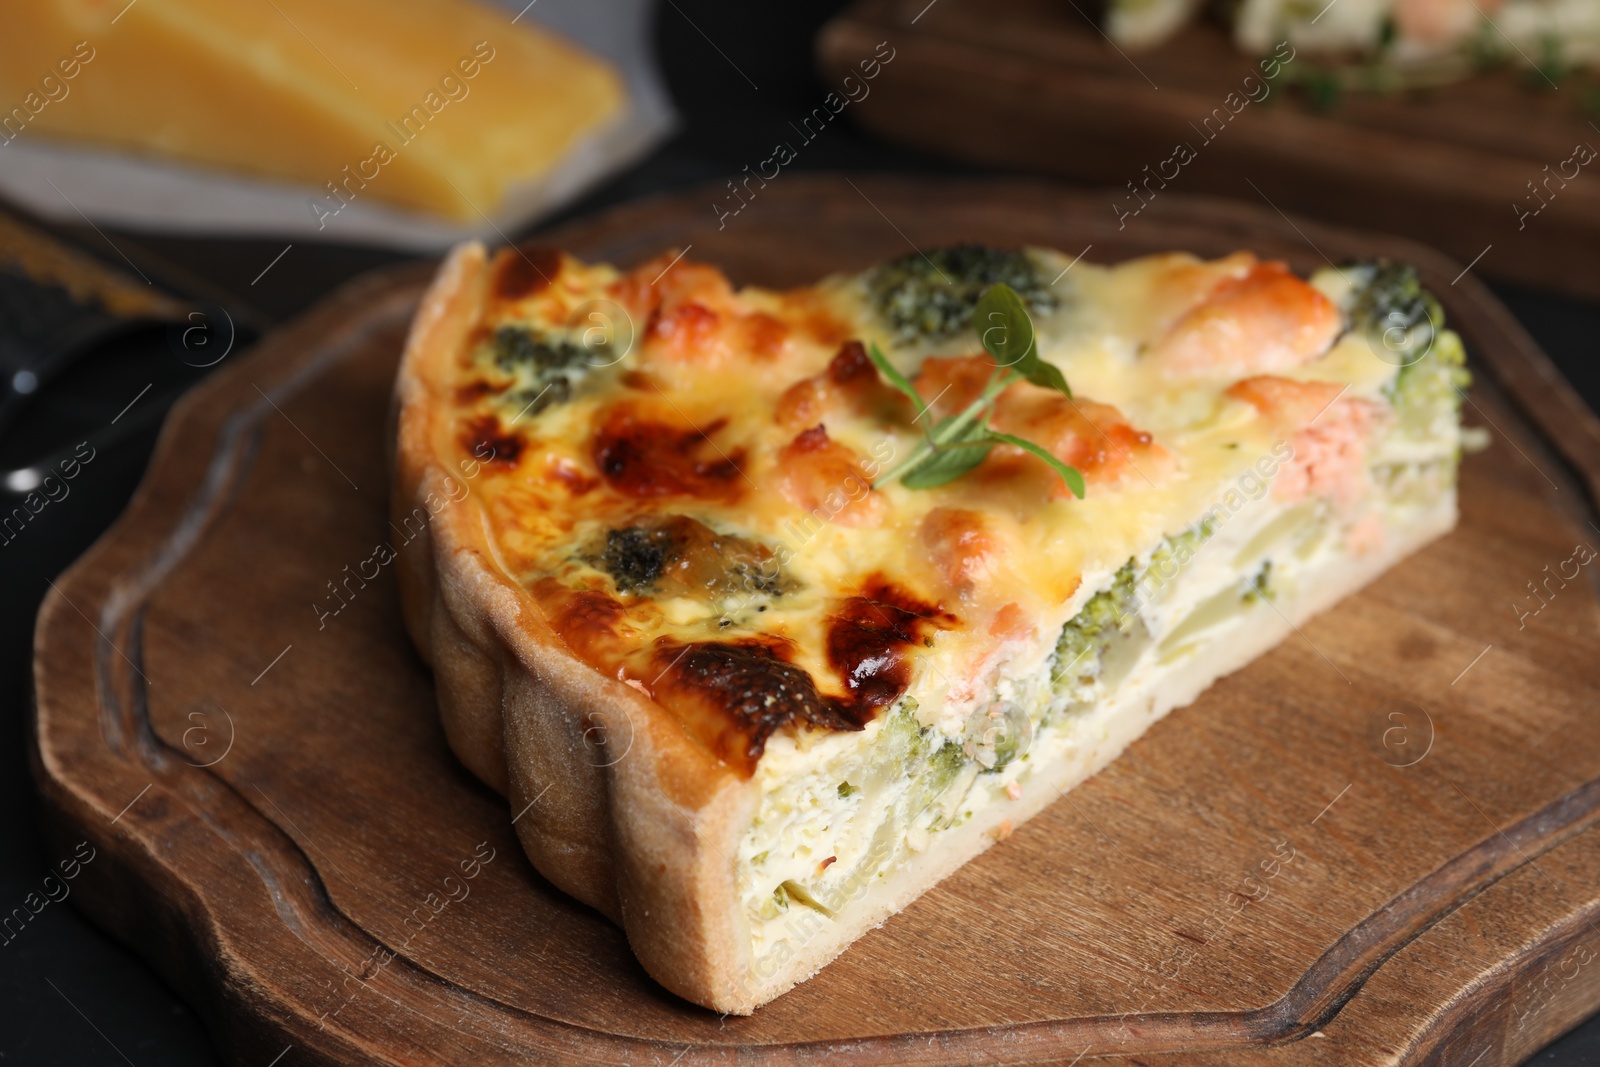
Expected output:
(1033, 85)
(1378, 844)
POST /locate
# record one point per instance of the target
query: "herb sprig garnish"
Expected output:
(958, 443)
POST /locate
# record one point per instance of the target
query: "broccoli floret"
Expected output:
(1404, 325)
(519, 347)
(776, 904)
(635, 556)
(1181, 547)
(547, 365)
(942, 785)
(1106, 613)
(1431, 388)
(909, 746)
(1391, 303)
(903, 740)
(943, 768)
(1260, 587)
(931, 297)
(1323, 86)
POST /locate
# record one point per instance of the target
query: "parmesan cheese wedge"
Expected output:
(443, 106)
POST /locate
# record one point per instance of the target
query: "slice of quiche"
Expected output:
(749, 684)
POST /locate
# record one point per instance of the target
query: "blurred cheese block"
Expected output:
(437, 105)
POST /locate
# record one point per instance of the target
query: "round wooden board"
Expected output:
(283, 832)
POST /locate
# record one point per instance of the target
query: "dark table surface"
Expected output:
(68, 994)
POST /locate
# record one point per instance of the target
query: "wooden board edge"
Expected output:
(924, 121)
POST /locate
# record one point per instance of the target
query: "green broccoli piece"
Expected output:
(1390, 301)
(519, 347)
(943, 768)
(903, 740)
(1181, 546)
(776, 904)
(1008, 745)
(1259, 588)
(909, 746)
(1431, 387)
(548, 366)
(1108, 612)
(931, 297)
(1404, 324)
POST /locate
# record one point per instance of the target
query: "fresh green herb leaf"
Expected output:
(1048, 376)
(944, 466)
(1004, 327)
(960, 442)
(896, 379)
(1006, 331)
(1068, 474)
(951, 458)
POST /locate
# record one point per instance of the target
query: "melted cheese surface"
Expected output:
(682, 474)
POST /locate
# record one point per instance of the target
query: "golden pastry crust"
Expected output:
(641, 827)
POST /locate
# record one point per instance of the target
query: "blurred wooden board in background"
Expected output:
(1033, 85)
(1272, 876)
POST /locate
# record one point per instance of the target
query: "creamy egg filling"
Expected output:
(841, 813)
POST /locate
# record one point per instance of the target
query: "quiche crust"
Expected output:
(644, 838)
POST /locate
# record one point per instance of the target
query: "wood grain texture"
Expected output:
(1031, 84)
(1255, 881)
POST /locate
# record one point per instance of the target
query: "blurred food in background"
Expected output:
(438, 105)
(1387, 44)
(411, 123)
(1145, 23)
(1334, 108)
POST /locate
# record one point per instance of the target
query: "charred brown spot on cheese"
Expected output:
(868, 641)
(588, 620)
(485, 438)
(643, 457)
(851, 365)
(522, 272)
(675, 555)
(472, 392)
(570, 475)
(736, 695)
(813, 440)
